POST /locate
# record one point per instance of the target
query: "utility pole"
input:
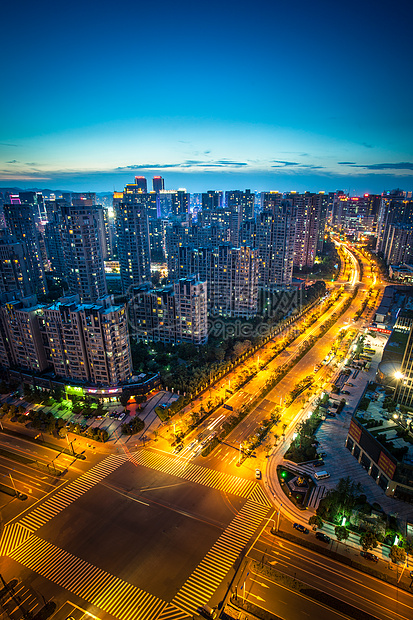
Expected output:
(14, 486)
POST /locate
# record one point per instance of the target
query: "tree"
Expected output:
(397, 554)
(341, 532)
(316, 520)
(368, 540)
(124, 398)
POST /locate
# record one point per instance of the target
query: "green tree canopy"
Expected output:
(368, 540)
(397, 554)
(341, 532)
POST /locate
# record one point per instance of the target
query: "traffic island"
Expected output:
(296, 487)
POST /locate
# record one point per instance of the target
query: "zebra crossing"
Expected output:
(94, 585)
(316, 496)
(170, 612)
(181, 468)
(203, 582)
(13, 536)
(51, 507)
(111, 594)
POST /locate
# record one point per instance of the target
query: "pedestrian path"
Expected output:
(175, 466)
(51, 507)
(316, 496)
(13, 536)
(94, 585)
(172, 613)
(203, 582)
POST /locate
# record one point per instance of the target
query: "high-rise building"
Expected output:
(132, 229)
(141, 184)
(81, 342)
(14, 274)
(307, 230)
(20, 221)
(403, 393)
(83, 252)
(180, 203)
(395, 209)
(171, 314)
(398, 245)
(83, 199)
(231, 275)
(89, 342)
(158, 184)
(212, 200)
(21, 338)
(275, 239)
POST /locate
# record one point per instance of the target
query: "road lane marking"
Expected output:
(172, 465)
(71, 492)
(92, 584)
(203, 582)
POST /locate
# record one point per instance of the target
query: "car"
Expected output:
(163, 406)
(323, 537)
(350, 384)
(369, 556)
(301, 528)
(331, 414)
(258, 474)
(121, 416)
(345, 392)
(178, 448)
(319, 463)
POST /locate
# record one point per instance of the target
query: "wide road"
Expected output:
(124, 540)
(349, 585)
(34, 470)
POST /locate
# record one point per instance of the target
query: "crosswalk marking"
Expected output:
(316, 496)
(203, 582)
(175, 466)
(94, 585)
(51, 507)
(258, 495)
(111, 594)
(172, 613)
(13, 536)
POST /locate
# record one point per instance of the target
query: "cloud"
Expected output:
(13, 161)
(8, 144)
(188, 163)
(403, 165)
(288, 164)
(284, 163)
(368, 146)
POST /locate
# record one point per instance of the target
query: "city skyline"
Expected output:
(279, 98)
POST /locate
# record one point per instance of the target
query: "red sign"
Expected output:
(386, 465)
(354, 431)
(381, 330)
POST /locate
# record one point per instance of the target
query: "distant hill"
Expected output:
(46, 192)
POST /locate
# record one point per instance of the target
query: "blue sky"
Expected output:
(216, 95)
